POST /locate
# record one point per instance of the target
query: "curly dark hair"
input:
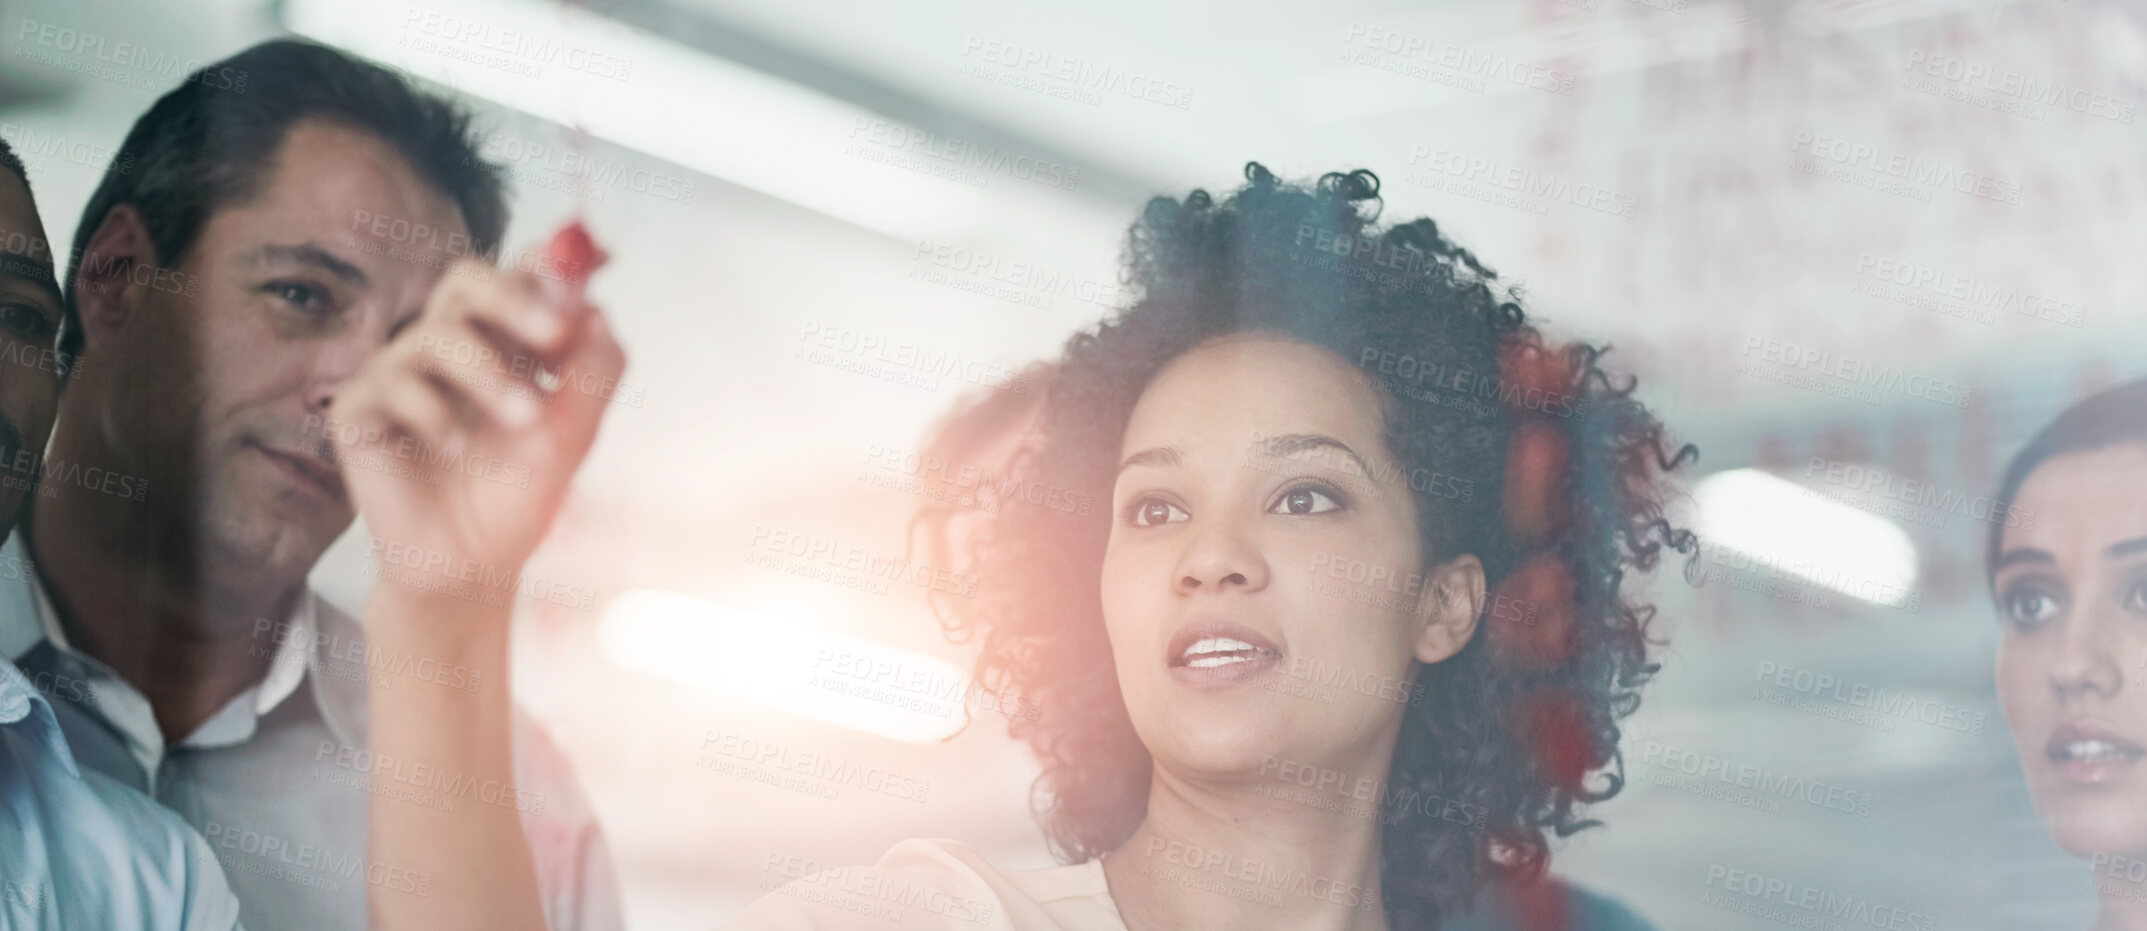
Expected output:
(1558, 476)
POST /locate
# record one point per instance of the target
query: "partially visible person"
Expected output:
(77, 850)
(263, 249)
(2067, 558)
(1316, 570)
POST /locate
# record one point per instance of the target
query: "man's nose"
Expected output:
(336, 363)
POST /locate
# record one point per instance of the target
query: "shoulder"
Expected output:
(938, 884)
(169, 858)
(1570, 906)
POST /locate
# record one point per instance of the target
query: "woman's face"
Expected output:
(2071, 590)
(1263, 585)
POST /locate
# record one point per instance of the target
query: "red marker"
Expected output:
(574, 253)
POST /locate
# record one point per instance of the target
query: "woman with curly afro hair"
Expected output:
(1312, 565)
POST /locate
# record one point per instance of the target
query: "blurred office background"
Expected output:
(811, 205)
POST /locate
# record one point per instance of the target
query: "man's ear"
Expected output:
(1449, 606)
(104, 285)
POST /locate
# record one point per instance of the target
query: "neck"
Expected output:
(2121, 904)
(134, 590)
(1228, 856)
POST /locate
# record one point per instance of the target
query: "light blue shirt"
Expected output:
(78, 850)
(278, 782)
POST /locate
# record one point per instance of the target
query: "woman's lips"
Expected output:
(1217, 653)
(2085, 752)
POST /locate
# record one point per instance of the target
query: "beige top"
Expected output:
(940, 885)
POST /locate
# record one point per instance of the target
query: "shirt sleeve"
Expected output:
(574, 870)
(210, 904)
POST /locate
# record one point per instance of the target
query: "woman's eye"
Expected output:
(1304, 499)
(2030, 607)
(27, 320)
(1149, 512)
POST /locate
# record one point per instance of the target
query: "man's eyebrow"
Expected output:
(2020, 555)
(22, 267)
(1153, 456)
(1290, 444)
(2126, 548)
(310, 254)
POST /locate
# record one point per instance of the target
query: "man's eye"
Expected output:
(1305, 499)
(301, 296)
(1150, 512)
(27, 320)
(2136, 597)
(2030, 607)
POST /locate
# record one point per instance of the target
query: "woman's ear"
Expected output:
(104, 279)
(1451, 603)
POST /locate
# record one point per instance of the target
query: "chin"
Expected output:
(2085, 827)
(1220, 739)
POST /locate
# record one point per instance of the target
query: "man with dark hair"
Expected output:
(63, 830)
(225, 293)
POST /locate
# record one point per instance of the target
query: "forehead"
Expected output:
(328, 181)
(1226, 390)
(2082, 501)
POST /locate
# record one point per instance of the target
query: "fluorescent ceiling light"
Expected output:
(1789, 530)
(788, 665)
(561, 63)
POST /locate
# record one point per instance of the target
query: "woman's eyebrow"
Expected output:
(2020, 555)
(1153, 456)
(1291, 444)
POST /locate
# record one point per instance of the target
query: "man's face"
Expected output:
(233, 363)
(29, 366)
